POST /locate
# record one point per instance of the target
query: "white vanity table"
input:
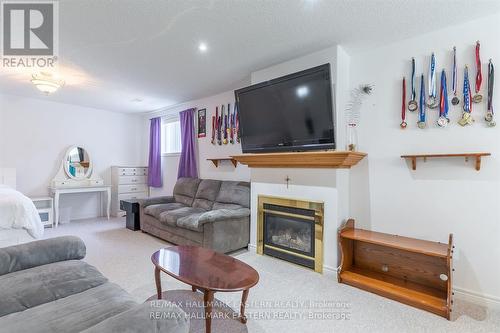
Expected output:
(75, 176)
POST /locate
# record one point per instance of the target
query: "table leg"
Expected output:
(208, 299)
(244, 297)
(56, 208)
(158, 282)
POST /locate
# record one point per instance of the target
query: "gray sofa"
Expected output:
(203, 212)
(46, 287)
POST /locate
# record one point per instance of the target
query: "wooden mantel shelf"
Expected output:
(308, 159)
(476, 156)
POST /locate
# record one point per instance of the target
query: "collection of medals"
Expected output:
(225, 126)
(441, 103)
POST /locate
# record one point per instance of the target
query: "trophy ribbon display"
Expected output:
(491, 80)
(455, 100)
(479, 76)
(443, 119)
(421, 113)
(412, 104)
(403, 106)
(432, 101)
(467, 114)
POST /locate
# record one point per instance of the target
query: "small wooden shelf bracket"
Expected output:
(216, 161)
(476, 156)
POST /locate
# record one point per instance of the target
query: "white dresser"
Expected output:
(128, 182)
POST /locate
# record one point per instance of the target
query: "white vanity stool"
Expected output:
(75, 176)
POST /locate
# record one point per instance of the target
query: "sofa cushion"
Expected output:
(28, 288)
(152, 316)
(74, 313)
(234, 192)
(207, 193)
(170, 217)
(195, 221)
(41, 252)
(185, 190)
(191, 222)
(156, 210)
(218, 205)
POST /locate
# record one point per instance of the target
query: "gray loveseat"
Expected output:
(45, 287)
(203, 212)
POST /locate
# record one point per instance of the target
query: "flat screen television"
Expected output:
(290, 113)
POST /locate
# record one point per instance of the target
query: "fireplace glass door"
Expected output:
(289, 234)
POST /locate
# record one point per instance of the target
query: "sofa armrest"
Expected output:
(42, 252)
(152, 316)
(218, 215)
(156, 201)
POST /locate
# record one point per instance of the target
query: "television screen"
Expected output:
(290, 113)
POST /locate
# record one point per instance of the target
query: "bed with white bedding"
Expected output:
(19, 219)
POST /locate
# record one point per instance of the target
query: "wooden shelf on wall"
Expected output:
(309, 159)
(476, 156)
(216, 161)
(412, 271)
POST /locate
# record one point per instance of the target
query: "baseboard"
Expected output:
(489, 301)
(330, 270)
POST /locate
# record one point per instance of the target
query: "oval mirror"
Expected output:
(77, 163)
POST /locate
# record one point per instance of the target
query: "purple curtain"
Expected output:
(154, 172)
(187, 163)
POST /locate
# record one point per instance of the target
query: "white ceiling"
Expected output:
(115, 51)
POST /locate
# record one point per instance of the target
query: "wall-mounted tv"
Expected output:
(290, 113)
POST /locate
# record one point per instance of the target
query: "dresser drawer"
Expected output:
(127, 196)
(132, 171)
(132, 188)
(132, 180)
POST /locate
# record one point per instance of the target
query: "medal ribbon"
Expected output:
(403, 107)
(413, 93)
(432, 77)
(467, 92)
(479, 75)
(443, 103)
(421, 114)
(454, 82)
(491, 80)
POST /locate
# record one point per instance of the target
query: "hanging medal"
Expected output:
(455, 100)
(421, 113)
(479, 76)
(467, 114)
(432, 101)
(490, 114)
(443, 119)
(403, 106)
(237, 123)
(213, 130)
(412, 104)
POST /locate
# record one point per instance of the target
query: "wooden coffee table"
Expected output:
(207, 271)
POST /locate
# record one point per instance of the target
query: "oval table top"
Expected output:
(205, 268)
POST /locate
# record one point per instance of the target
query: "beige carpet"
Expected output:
(288, 298)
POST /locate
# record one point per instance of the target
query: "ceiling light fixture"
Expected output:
(202, 47)
(46, 83)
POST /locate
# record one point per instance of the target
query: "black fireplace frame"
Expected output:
(300, 215)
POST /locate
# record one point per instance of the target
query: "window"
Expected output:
(171, 137)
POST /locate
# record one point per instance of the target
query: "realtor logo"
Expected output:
(29, 33)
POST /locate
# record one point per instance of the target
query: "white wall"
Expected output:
(35, 134)
(441, 196)
(206, 169)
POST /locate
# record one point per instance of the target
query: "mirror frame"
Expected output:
(88, 174)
